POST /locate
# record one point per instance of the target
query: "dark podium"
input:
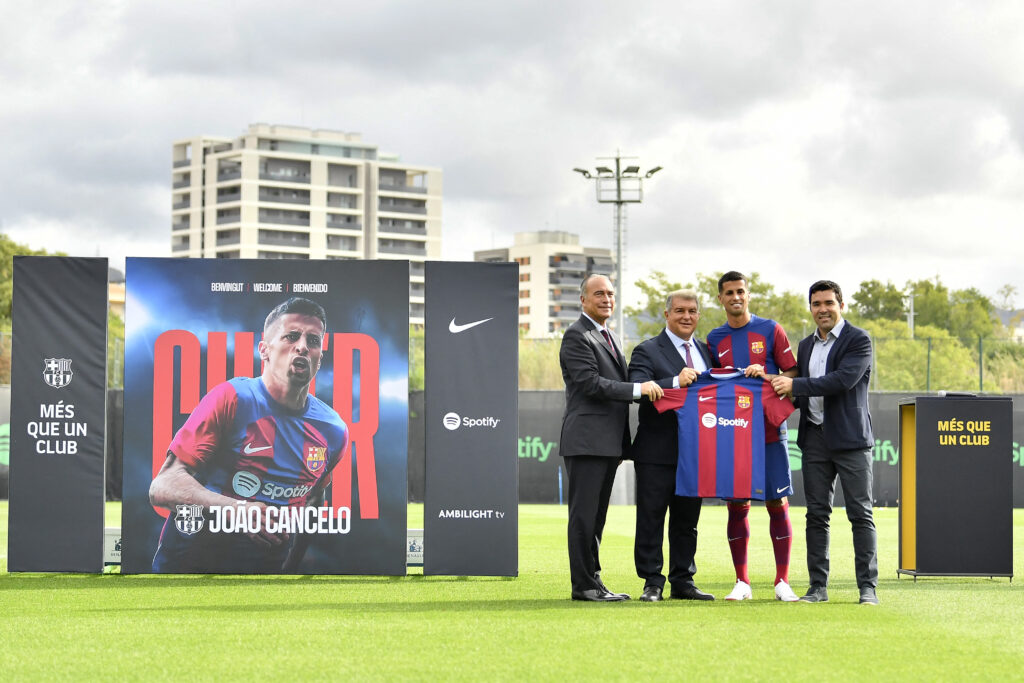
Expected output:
(956, 486)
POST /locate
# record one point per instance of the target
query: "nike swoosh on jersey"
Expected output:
(704, 398)
(455, 329)
(249, 450)
(722, 353)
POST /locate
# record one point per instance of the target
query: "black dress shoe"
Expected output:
(651, 594)
(597, 595)
(815, 594)
(690, 593)
(600, 583)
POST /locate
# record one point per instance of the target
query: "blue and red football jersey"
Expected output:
(761, 341)
(721, 421)
(243, 444)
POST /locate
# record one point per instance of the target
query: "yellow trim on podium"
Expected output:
(908, 487)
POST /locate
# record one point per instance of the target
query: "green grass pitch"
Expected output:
(113, 627)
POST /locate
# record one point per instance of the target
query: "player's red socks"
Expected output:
(738, 530)
(781, 530)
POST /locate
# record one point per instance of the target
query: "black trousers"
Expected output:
(655, 496)
(821, 466)
(590, 486)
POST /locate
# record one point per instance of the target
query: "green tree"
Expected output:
(875, 301)
(972, 315)
(8, 250)
(415, 358)
(649, 318)
(934, 359)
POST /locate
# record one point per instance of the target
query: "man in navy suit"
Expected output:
(595, 430)
(835, 436)
(673, 359)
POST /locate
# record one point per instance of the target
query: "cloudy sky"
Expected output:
(800, 139)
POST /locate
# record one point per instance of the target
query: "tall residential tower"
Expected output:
(282, 192)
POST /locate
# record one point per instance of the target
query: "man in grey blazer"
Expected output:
(595, 430)
(673, 359)
(835, 437)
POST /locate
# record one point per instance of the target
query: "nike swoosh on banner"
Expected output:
(455, 329)
(722, 353)
(249, 450)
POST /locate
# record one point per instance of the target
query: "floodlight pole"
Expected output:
(632, 194)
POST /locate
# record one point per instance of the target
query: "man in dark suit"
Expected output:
(595, 430)
(673, 359)
(835, 436)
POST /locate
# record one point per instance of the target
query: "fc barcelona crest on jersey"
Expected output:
(757, 347)
(742, 401)
(57, 372)
(316, 458)
(189, 519)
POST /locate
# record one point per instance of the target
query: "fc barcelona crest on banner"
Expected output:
(316, 457)
(189, 519)
(57, 372)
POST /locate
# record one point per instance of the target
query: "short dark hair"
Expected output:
(824, 286)
(731, 276)
(296, 304)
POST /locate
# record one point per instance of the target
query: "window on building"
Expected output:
(524, 294)
(524, 277)
(524, 310)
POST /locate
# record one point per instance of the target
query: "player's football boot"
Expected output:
(741, 591)
(784, 593)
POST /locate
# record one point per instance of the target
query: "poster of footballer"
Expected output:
(266, 416)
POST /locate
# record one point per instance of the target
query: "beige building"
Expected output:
(551, 266)
(282, 192)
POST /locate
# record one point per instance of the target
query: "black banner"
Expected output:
(471, 371)
(58, 374)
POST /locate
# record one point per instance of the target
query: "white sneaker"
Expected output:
(784, 592)
(741, 591)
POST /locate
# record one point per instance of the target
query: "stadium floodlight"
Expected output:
(619, 187)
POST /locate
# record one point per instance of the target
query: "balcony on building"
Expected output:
(232, 193)
(182, 202)
(228, 237)
(284, 238)
(566, 296)
(417, 269)
(406, 247)
(229, 215)
(180, 180)
(343, 242)
(284, 217)
(344, 221)
(284, 195)
(600, 265)
(339, 175)
(341, 200)
(396, 180)
(563, 312)
(228, 169)
(183, 222)
(281, 255)
(403, 205)
(179, 243)
(284, 170)
(402, 226)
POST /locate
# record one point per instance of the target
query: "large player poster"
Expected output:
(266, 416)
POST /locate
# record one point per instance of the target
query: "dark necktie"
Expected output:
(689, 358)
(608, 338)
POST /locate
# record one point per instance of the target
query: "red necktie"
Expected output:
(608, 338)
(689, 358)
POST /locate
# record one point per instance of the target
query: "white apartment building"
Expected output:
(551, 266)
(283, 192)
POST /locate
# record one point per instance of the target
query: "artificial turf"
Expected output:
(116, 627)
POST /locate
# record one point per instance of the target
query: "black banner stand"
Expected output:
(956, 486)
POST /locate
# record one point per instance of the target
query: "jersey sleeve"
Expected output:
(207, 426)
(776, 408)
(673, 398)
(782, 350)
